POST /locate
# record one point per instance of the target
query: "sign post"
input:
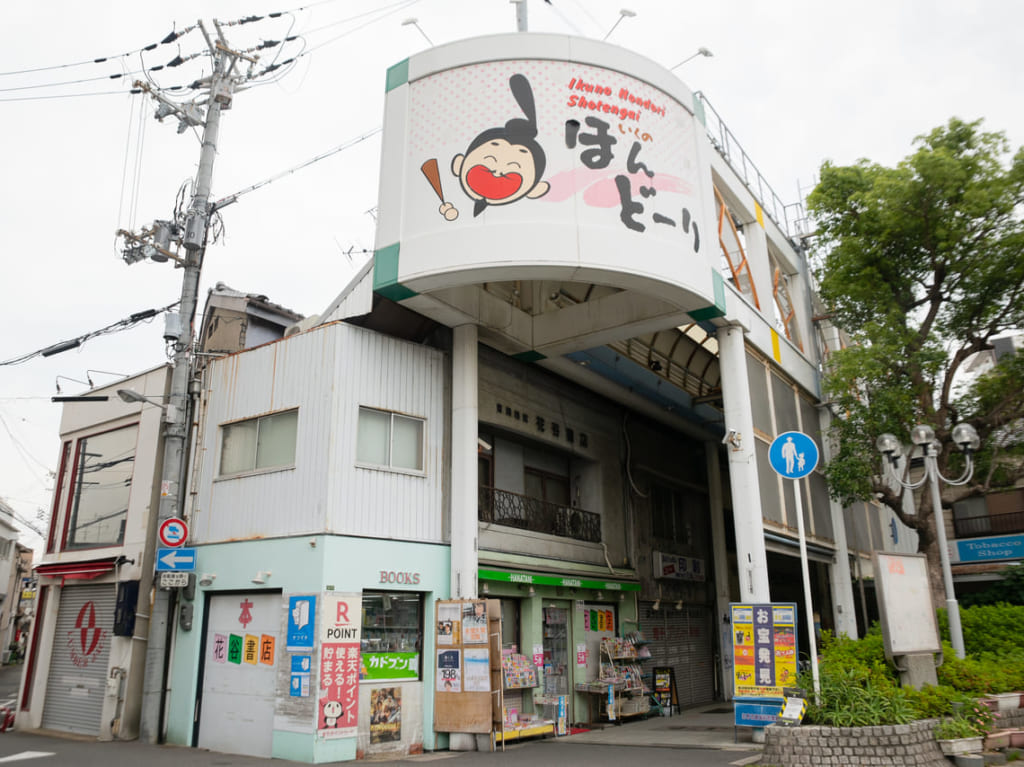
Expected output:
(794, 455)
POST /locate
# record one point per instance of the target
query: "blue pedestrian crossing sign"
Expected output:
(793, 455)
(179, 560)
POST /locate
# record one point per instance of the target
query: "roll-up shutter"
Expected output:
(236, 714)
(682, 639)
(78, 665)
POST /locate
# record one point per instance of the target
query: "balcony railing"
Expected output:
(501, 507)
(989, 524)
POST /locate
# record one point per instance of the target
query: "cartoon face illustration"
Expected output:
(333, 710)
(501, 165)
(497, 172)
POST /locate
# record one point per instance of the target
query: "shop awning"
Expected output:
(550, 579)
(86, 570)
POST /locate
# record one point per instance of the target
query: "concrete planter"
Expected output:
(956, 746)
(1007, 701)
(902, 745)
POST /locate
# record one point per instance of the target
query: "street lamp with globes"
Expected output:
(966, 438)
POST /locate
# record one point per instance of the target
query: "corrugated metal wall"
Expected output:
(326, 373)
(682, 639)
(78, 666)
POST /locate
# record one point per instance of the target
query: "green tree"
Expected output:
(922, 265)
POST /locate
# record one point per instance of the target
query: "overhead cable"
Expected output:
(74, 343)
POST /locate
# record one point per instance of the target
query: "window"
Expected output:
(102, 484)
(546, 487)
(267, 442)
(392, 635)
(668, 515)
(390, 440)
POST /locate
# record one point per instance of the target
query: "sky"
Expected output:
(797, 82)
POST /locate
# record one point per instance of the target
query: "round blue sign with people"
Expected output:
(793, 455)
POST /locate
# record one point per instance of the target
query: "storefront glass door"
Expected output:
(557, 671)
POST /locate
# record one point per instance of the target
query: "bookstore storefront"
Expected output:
(552, 631)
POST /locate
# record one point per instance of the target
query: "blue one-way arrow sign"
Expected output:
(180, 560)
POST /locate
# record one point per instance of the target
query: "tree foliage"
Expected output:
(922, 265)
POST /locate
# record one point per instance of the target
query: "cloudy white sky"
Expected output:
(796, 81)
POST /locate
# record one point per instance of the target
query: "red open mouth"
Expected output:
(491, 187)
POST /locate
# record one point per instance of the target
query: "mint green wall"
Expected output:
(299, 567)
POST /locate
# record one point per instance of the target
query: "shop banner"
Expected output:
(764, 640)
(340, 630)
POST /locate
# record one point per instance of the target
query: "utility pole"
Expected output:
(188, 236)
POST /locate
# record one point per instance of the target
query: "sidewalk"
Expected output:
(710, 727)
(707, 727)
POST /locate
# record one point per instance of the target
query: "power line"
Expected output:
(231, 198)
(170, 38)
(22, 451)
(179, 60)
(174, 36)
(73, 343)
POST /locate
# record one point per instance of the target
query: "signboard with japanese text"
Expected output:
(241, 671)
(478, 670)
(676, 567)
(764, 641)
(340, 632)
(557, 154)
(467, 665)
(449, 670)
(302, 668)
(390, 665)
(474, 623)
(301, 623)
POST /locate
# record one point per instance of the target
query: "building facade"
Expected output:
(554, 388)
(85, 659)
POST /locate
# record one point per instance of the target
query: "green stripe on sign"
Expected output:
(530, 356)
(536, 579)
(385, 274)
(397, 75)
(698, 110)
(718, 310)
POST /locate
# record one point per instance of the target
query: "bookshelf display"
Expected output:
(620, 682)
(518, 674)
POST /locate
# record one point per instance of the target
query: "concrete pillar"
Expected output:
(465, 419)
(751, 559)
(719, 544)
(840, 580)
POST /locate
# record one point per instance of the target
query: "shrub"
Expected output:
(1010, 589)
(970, 721)
(859, 698)
(935, 701)
(982, 674)
(989, 628)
